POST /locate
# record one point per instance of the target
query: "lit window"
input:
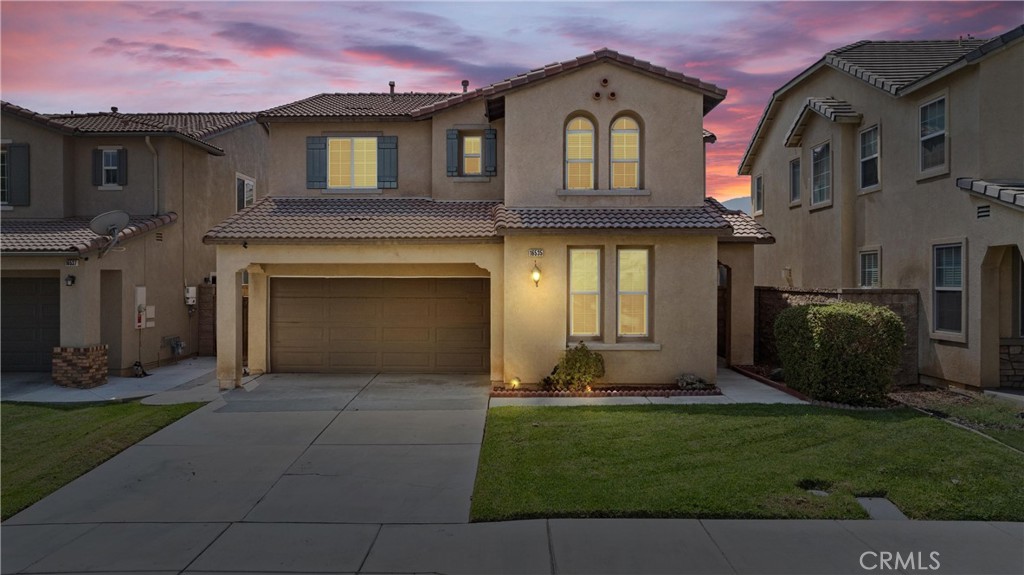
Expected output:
(794, 181)
(634, 292)
(869, 158)
(579, 154)
(584, 292)
(821, 174)
(758, 195)
(933, 134)
(352, 163)
(625, 154)
(870, 275)
(110, 167)
(948, 288)
(471, 162)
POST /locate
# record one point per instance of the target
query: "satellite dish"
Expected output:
(109, 224)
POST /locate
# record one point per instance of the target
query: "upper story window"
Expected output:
(869, 155)
(634, 292)
(794, 181)
(5, 189)
(758, 200)
(821, 174)
(579, 154)
(352, 163)
(933, 135)
(109, 167)
(625, 156)
(584, 292)
(472, 164)
(245, 192)
(472, 151)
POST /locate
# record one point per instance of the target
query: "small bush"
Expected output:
(691, 382)
(577, 369)
(842, 352)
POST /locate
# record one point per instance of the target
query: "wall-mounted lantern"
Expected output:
(69, 280)
(535, 275)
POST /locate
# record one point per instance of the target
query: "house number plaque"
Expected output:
(536, 253)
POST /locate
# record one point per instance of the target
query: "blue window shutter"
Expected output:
(316, 162)
(122, 167)
(17, 174)
(387, 162)
(97, 167)
(490, 152)
(452, 148)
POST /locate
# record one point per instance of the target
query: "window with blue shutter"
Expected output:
(15, 181)
(109, 167)
(387, 162)
(316, 162)
(452, 147)
(490, 152)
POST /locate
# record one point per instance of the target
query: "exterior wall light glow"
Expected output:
(535, 275)
(69, 280)
(515, 382)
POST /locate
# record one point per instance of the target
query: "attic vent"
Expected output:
(159, 236)
(984, 211)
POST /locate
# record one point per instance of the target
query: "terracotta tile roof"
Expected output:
(832, 109)
(691, 218)
(1006, 192)
(68, 235)
(744, 227)
(893, 65)
(712, 94)
(191, 127)
(356, 105)
(312, 220)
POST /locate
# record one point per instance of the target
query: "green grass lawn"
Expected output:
(992, 416)
(44, 447)
(738, 461)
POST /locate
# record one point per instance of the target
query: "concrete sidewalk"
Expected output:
(192, 374)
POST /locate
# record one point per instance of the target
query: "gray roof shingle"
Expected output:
(319, 220)
(832, 109)
(894, 65)
(68, 235)
(356, 105)
(1007, 192)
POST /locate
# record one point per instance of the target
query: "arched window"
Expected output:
(625, 154)
(579, 154)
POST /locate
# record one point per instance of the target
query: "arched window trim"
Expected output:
(638, 161)
(593, 153)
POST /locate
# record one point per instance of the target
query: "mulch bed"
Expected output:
(648, 391)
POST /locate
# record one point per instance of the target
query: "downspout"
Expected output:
(156, 177)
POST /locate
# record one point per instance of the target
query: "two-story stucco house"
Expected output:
(901, 165)
(485, 231)
(63, 286)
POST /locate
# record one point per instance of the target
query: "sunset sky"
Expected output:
(227, 56)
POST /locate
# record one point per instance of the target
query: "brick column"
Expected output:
(80, 367)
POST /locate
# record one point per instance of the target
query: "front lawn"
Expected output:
(738, 461)
(998, 418)
(44, 447)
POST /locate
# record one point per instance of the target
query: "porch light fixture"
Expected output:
(535, 275)
(69, 280)
(515, 382)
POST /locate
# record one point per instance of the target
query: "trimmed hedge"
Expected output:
(577, 369)
(842, 352)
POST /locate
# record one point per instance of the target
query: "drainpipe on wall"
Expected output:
(156, 177)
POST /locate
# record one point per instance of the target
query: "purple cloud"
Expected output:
(161, 54)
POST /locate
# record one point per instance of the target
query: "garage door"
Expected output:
(415, 325)
(29, 323)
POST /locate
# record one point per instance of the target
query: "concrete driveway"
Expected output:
(357, 451)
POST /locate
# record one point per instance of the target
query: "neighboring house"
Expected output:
(487, 230)
(175, 174)
(901, 165)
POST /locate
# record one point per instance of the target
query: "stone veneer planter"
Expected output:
(80, 367)
(612, 392)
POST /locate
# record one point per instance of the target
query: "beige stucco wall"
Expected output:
(740, 259)
(683, 296)
(671, 142)
(287, 159)
(908, 214)
(47, 171)
(351, 260)
(469, 116)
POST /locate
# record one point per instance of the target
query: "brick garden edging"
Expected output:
(502, 392)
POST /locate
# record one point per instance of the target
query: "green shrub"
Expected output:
(577, 369)
(842, 352)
